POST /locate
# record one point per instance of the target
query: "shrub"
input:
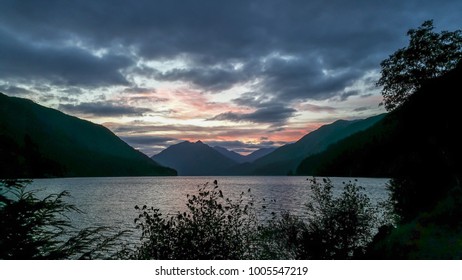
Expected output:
(283, 237)
(339, 227)
(213, 227)
(33, 228)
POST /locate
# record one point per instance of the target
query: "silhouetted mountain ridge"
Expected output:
(238, 158)
(285, 159)
(421, 129)
(199, 159)
(41, 142)
(194, 159)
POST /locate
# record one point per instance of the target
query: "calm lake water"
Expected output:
(111, 201)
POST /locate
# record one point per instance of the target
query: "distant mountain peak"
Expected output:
(194, 159)
(200, 159)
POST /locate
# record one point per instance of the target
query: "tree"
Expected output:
(339, 227)
(428, 55)
(34, 228)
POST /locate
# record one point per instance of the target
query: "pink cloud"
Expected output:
(192, 104)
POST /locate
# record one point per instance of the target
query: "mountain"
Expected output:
(36, 141)
(284, 160)
(418, 144)
(421, 129)
(258, 154)
(236, 157)
(194, 159)
(242, 159)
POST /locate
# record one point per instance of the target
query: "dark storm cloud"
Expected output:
(274, 115)
(60, 65)
(303, 78)
(252, 99)
(346, 94)
(345, 38)
(268, 110)
(208, 78)
(104, 109)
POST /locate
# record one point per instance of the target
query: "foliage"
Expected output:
(428, 55)
(405, 194)
(339, 227)
(283, 237)
(436, 234)
(33, 228)
(213, 227)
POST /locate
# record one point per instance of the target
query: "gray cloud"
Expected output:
(295, 50)
(14, 90)
(361, 109)
(103, 109)
(27, 61)
(273, 115)
(209, 78)
(183, 131)
(347, 93)
(253, 99)
(304, 78)
(137, 89)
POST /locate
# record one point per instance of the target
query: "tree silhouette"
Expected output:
(339, 227)
(428, 55)
(38, 228)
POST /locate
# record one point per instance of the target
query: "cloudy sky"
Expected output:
(241, 74)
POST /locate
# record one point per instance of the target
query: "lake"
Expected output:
(111, 201)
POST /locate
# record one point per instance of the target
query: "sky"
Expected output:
(242, 74)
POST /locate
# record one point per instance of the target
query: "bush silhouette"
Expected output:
(339, 227)
(33, 228)
(214, 227)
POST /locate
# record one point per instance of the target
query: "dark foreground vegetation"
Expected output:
(337, 225)
(213, 227)
(418, 144)
(38, 228)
